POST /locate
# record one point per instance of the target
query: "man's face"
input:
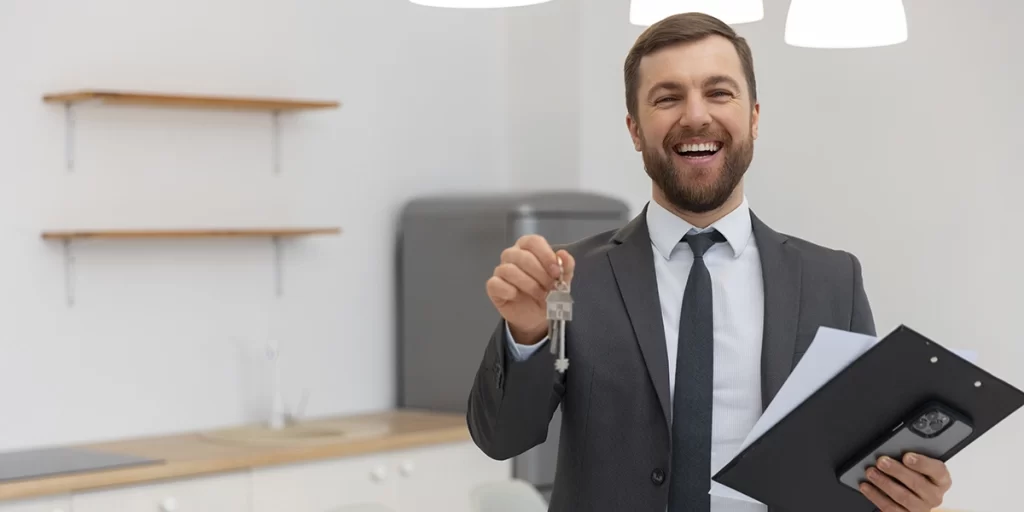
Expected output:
(695, 124)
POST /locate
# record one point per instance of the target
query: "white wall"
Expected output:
(544, 95)
(907, 156)
(166, 336)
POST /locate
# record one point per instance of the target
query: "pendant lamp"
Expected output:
(648, 12)
(846, 23)
(477, 4)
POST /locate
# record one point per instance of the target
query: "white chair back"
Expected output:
(364, 507)
(507, 496)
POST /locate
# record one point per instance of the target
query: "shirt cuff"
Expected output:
(521, 352)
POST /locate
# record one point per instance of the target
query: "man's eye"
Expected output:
(720, 94)
(665, 99)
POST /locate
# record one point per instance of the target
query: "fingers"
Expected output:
(919, 484)
(501, 291)
(879, 498)
(568, 264)
(529, 267)
(528, 264)
(541, 250)
(934, 469)
(513, 275)
(895, 491)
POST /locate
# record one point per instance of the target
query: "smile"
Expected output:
(697, 151)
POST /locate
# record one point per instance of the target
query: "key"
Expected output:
(562, 363)
(559, 311)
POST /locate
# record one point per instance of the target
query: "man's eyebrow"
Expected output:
(669, 85)
(721, 79)
(666, 85)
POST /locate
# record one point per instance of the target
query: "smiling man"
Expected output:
(686, 321)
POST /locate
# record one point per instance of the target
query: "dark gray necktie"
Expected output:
(691, 408)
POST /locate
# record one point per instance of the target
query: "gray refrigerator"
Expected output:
(447, 248)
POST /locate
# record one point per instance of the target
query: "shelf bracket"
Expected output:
(278, 265)
(69, 135)
(275, 140)
(69, 272)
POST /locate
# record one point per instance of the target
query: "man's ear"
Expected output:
(634, 133)
(755, 116)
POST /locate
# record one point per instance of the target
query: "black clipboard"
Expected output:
(793, 466)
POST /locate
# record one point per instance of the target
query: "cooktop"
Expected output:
(42, 462)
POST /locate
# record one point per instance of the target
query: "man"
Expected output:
(694, 310)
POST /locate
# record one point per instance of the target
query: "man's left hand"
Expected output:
(918, 484)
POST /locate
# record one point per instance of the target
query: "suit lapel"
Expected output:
(632, 264)
(633, 268)
(780, 268)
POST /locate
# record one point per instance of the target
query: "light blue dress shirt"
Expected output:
(738, 305)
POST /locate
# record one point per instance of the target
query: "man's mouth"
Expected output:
(699, 150)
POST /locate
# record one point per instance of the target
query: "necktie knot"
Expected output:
(701, 242)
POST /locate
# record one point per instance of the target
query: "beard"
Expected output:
(686, 193)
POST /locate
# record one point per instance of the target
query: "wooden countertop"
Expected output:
(195, 454)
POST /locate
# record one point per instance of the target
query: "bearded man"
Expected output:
(686, 321)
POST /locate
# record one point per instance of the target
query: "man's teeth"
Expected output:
(707, 146)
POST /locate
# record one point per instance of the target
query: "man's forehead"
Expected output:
(692, 62)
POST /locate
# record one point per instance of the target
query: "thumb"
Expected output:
(568, 265)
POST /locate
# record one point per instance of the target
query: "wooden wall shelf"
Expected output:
(275, 106)
(276, 236)
(188, 233)
(116, 97)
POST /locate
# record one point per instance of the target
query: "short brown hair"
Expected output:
(677, 29)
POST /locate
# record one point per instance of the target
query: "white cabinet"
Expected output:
(434, 478)
(441, 477)
(429, 479)
(323, 486)
(225, 492)
(48, 504)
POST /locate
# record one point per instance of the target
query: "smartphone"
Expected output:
(933, 430)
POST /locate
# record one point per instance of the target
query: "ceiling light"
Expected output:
(648, 12)
(846, 23)
(477, 4)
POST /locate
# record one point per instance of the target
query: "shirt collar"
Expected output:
(667, 229)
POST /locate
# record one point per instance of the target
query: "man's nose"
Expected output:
(696, 115)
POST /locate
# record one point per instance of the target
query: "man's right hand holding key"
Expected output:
(521, 282)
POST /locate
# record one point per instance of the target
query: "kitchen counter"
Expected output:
(246, 447)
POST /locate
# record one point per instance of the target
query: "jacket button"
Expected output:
(658, 477)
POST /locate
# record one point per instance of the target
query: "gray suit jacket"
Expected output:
(614, 447)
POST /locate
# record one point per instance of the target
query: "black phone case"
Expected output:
(904, 438)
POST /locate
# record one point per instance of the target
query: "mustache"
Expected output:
(680, 133)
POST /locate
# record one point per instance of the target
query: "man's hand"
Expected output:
(521, 282)
(916, 485)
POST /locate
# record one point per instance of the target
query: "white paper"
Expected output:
(831, 351)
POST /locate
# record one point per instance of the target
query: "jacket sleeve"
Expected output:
(861, 320)
(512, 402)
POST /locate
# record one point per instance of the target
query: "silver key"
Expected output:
(559, 305)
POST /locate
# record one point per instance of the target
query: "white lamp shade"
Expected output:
(477, 4)
(846, 23)
(648, 12)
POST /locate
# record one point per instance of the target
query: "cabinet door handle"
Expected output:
(407, 468)
(169, 505)
(379, 473)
